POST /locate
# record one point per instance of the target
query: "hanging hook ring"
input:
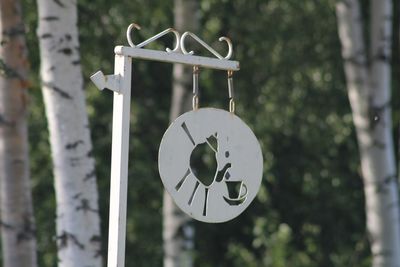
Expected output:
(151, 39)
(231, 106)
(195, 102)
(205, 45)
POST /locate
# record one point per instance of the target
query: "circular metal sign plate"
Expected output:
(239, 164)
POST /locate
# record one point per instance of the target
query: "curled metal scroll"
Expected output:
(209, 48)
(151, 39)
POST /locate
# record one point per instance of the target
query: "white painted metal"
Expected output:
(238, 156)
(203, 62)
(206, 46)
(106, 81)
(119, 163)
(120, 83)
(151, 39)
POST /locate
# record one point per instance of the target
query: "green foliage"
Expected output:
(290, 90)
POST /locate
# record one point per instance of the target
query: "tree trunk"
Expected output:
(78, 222)
(17, 223)
(369, 87)
(178, 232)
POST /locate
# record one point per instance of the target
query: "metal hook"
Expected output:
(151, 39)
(209, 48)
(231, 92)
(195, 101)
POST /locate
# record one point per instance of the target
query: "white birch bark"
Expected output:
(178, 232)
(369, 93)
(17, 223)
(78, 222)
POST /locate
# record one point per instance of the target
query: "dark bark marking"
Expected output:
(382, 55)
(97, 239)
(68, 37)
(7, 71)
(85, 206)
(383, 52)
(381, 186)
(6, 226)
(14, 31)
(58, 2)
(383, 253)
(63, 240)
(18, 162)
(67, 51)
(378, 144)
(76, 62)
(57, 90)
(50, 18)
(27, 232)
(89, 175)
(46, 36)
(357, 59)
(375, 113)
(74, 144)
(4, 122)
(77, 196)
(74, 161)
(99, 253)
(90, 153)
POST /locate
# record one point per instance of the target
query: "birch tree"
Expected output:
(77, 223)
(178, 233)
(17, 223)
(368, 78)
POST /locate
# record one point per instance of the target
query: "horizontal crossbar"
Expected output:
(173, 57)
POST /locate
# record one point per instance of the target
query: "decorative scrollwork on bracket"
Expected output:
(155, 37)
(180, 42)
(209, 48)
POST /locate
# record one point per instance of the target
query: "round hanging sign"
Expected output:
(239, 164)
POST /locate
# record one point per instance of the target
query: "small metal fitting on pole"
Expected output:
(195, 87)
(231, 92)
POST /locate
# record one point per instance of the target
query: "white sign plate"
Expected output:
(239, 164)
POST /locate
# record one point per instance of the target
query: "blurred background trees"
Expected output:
(291, 90)
(178, 230)
(16, 207)
(77, 216)
(368, 77)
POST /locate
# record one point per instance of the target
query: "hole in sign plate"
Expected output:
(203, 163)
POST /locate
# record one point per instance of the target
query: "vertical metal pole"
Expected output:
(119, 163)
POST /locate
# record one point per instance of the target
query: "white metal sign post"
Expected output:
(120, 84)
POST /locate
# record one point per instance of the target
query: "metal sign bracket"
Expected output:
(120, 84)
